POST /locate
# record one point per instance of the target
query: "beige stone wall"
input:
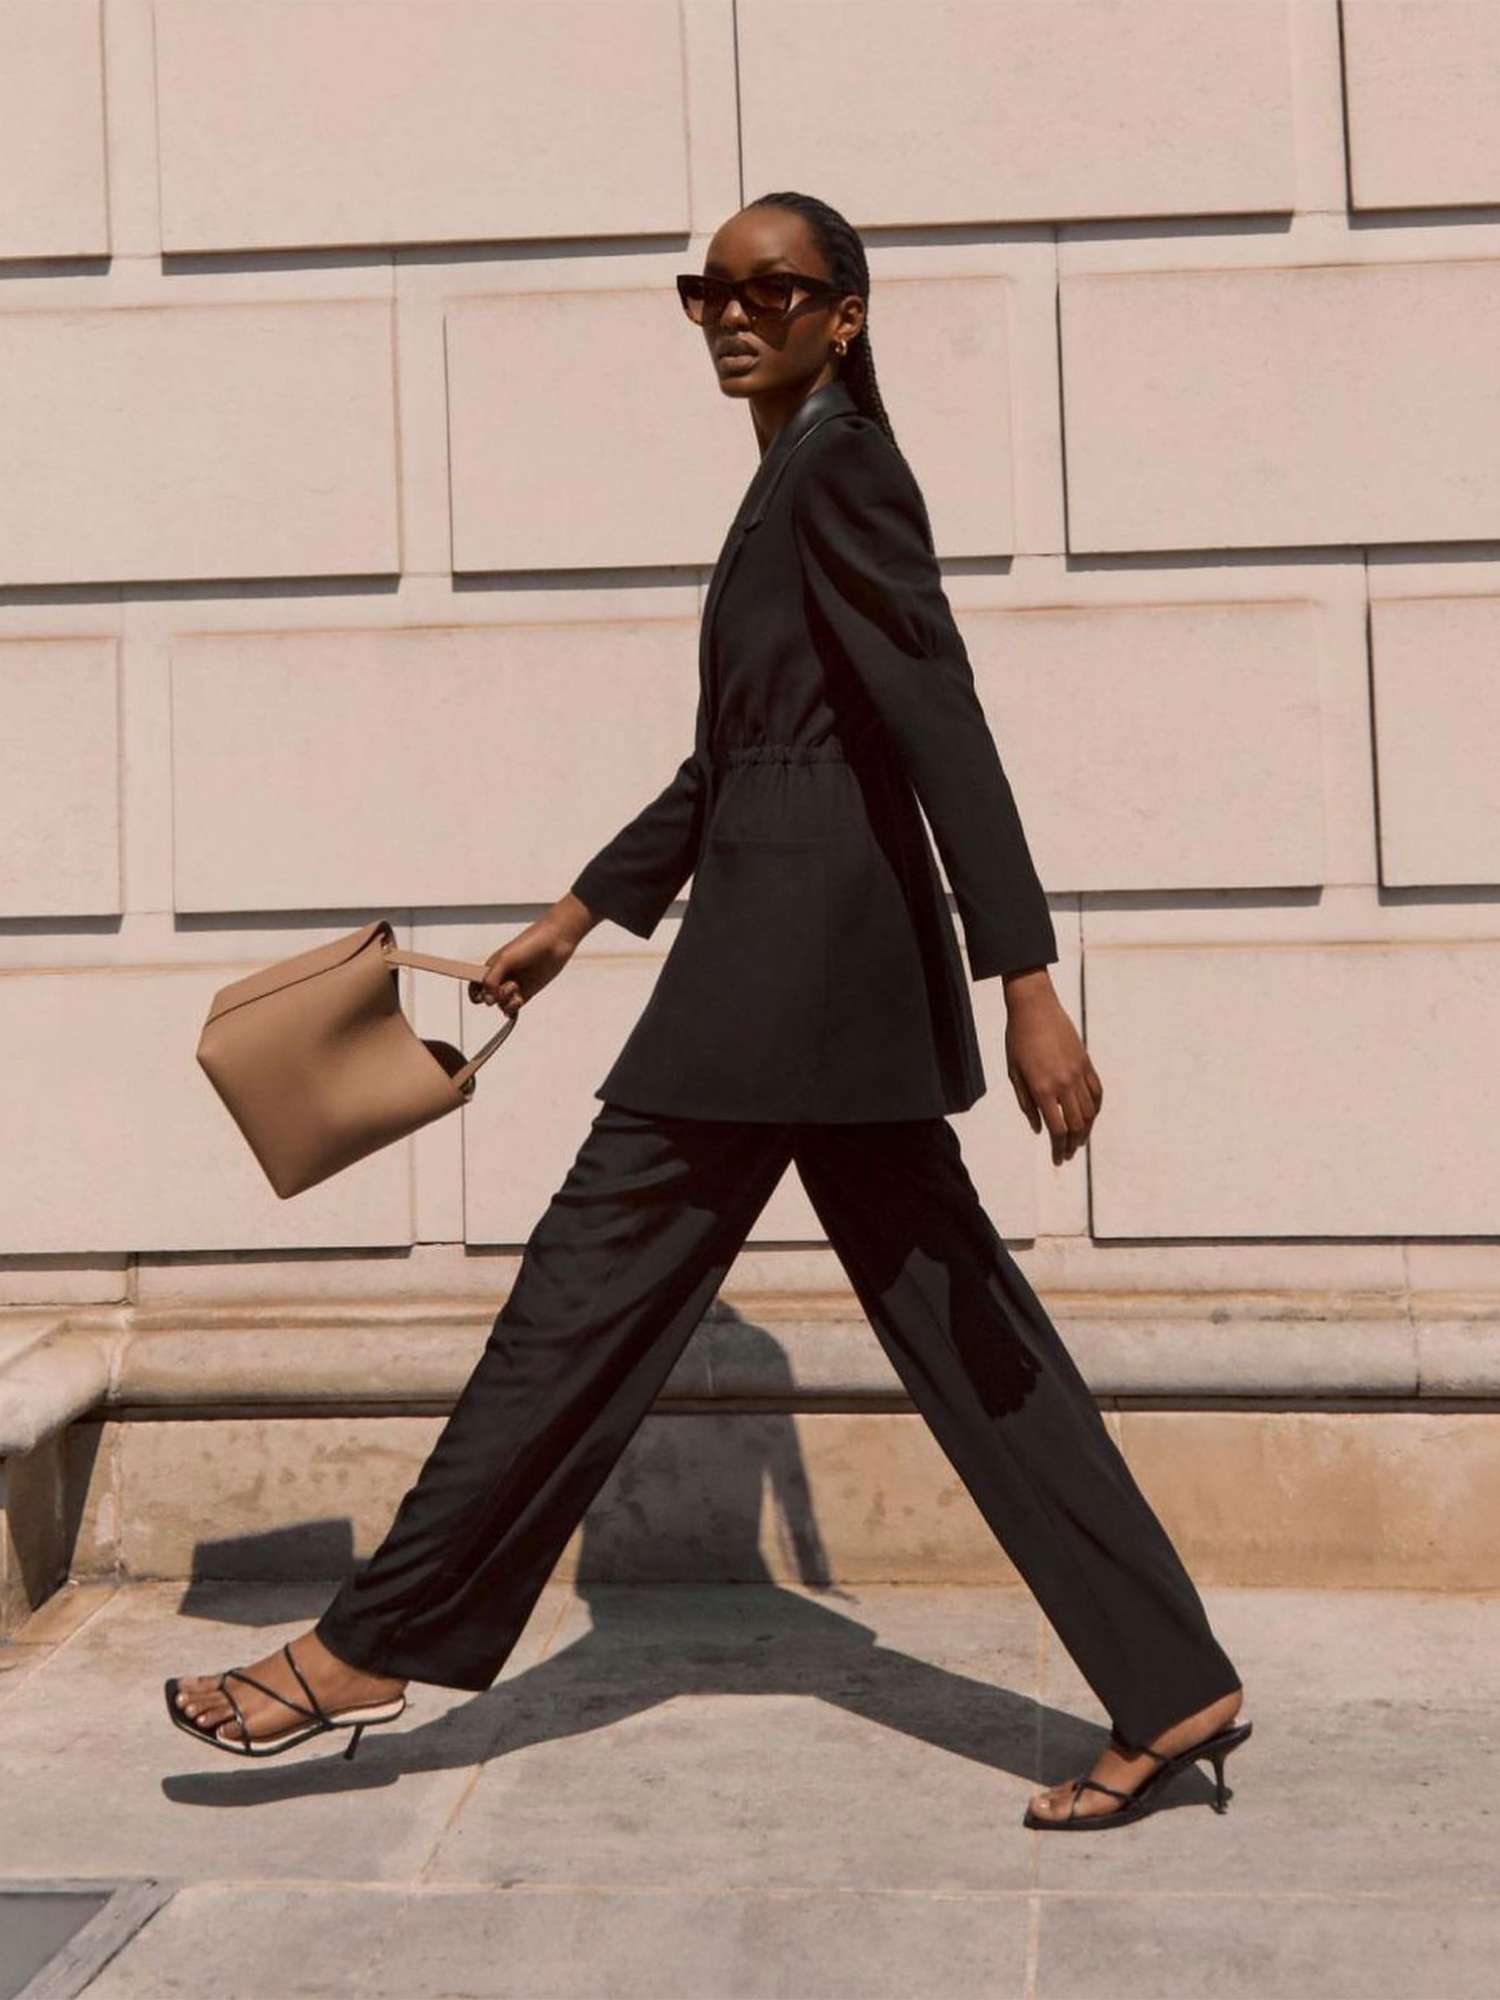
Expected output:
(359, 481)
(1398, 1500)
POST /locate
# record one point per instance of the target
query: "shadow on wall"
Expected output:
(681, 1504)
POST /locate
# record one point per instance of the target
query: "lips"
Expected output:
(733, 348)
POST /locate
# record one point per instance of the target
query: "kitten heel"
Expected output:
(1230, 1739)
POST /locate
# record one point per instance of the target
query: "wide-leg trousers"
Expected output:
(615, 1276)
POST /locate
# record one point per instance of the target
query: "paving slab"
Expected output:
(1374, 1765)
(751, 1790)
(658, 1724)
(1307, 1946)
(535, 1944)
(91, 1723)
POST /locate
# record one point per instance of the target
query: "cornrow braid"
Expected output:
(843, 252)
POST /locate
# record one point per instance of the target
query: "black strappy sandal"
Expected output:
(319, 1720)
(1148, 1794)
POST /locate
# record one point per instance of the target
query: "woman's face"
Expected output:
(753, 354)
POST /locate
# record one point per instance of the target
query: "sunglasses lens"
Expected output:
(770, 293)
(704, 297)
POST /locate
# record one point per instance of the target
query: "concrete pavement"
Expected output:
(724, 1792)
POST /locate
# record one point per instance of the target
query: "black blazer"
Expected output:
(816, 974)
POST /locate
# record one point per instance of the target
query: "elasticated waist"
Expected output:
(783, 753)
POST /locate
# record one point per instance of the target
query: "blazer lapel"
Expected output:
(832, 400)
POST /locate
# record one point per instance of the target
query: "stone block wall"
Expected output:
(359, 484)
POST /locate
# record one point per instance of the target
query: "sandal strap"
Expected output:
(239, 1674)
(1100, 1786)
(1137, 1749)
(239, 1713)
(318, 1708)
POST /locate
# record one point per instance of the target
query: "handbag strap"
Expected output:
(459, 968)
(477, 1062)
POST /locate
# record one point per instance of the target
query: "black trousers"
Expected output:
(616, 1275)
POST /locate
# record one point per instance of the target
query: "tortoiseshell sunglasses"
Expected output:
(767, 295)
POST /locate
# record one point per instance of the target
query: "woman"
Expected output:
(813, 1009)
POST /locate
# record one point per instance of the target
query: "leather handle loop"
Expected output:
(457, 968)
(472, 1067)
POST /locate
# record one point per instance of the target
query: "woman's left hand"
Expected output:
(1054, 1079)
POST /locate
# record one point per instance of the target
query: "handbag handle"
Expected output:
(458, 968)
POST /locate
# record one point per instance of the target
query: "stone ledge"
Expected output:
(48, 1379)
(1393, 1499)
(798, 1350)
(302, 1376)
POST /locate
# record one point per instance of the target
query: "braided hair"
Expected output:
(844, 253)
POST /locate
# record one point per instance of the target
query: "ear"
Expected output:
(851, 316)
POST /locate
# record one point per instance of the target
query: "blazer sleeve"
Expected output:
(635, 876)
(876, 593)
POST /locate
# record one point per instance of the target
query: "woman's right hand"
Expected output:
(526, 963)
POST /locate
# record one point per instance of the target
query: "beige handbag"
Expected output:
(319, 1066)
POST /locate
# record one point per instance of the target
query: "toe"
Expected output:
(202, 1700)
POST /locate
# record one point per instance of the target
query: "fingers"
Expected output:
(498, 988)
(1053, 1075)
(502, 993)
(488, 994)
(1070, 1110)
(1078, 1119)
(1057, 1125)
